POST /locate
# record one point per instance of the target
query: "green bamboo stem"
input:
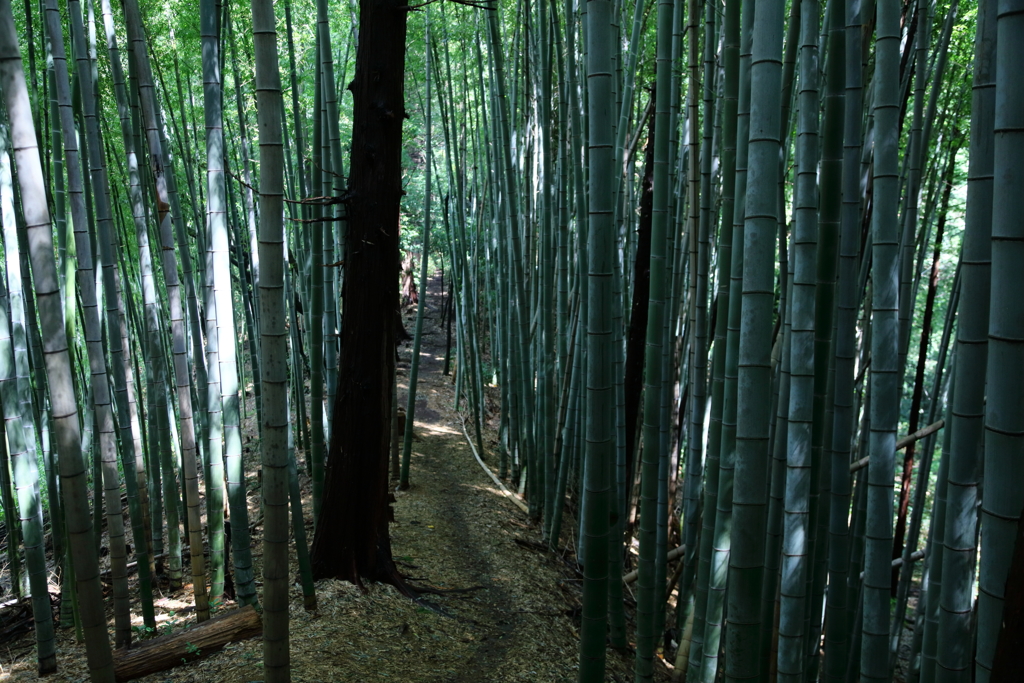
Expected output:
(30, 178)
(885, 369)
(270, 277)
(1003, 433)
(599, 422)
(414, 365)
(214, 138)
(21, 460)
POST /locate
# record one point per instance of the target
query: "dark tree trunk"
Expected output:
(1008, 665)
(922, 357)
(636, 343)
(352, 540)
(449, 312)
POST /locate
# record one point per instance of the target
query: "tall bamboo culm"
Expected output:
(58, 365)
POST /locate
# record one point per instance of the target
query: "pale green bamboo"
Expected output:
(185, 437)
(414, 365)
(159, 452)
(131, 421)
(60, 215)
(332, 165)
(247, 176)
(519, 301)
(273, 346)
(152, 125)
(294, 493)
(226, 354)
(100, 387)
(192, 323)
(316, 300)
(23, 462)
(215, 194)
(44, 271)
(194, 199)
(300, 148)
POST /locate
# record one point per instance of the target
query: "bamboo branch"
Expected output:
(631, 146)
(902, 443)
(898, 562)
(671, 555)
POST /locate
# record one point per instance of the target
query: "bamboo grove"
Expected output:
(731, 304)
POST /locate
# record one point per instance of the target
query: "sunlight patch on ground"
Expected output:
(172, 604)
(489, 489)
(433, 428)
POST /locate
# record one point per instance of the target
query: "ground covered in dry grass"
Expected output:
(514, 614)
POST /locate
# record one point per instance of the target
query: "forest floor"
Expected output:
(516, 618)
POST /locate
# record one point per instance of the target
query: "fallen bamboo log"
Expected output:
(188, 645)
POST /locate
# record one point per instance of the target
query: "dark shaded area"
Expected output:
(1008, 665)
(636, 337)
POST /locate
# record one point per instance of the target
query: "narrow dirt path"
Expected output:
(513, 614)
(461, 532)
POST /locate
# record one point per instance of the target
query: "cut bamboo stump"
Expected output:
(193, 643)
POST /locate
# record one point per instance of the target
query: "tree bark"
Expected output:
(1008, 665)
(352, 541)
(636, 336)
